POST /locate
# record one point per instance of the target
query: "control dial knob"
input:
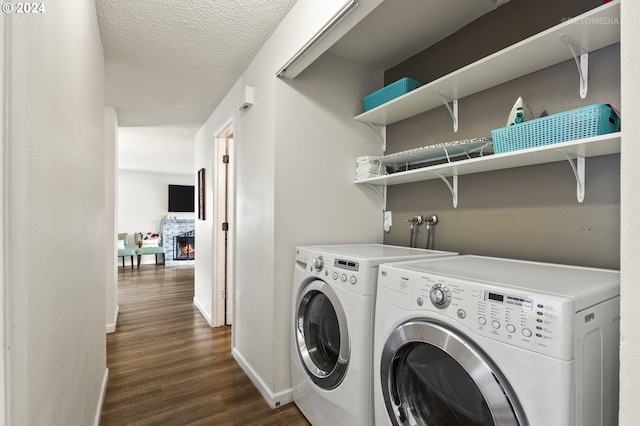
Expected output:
(317, 263)
(440, 296)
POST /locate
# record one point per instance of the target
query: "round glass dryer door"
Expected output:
(433, 376)
(321, 334)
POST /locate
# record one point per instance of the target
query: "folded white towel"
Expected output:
(361, 176)
(370, 168)
(365, 159)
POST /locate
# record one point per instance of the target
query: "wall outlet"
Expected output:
(387, 221)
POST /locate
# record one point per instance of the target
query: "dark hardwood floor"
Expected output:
(168, 367)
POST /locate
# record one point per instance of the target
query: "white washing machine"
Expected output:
(332, 338)
(471, 340)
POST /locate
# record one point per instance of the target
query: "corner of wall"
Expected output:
(203, 311)
(103, 393)
(111, 326)
(111, 216)
(274, 400)
(630, 226)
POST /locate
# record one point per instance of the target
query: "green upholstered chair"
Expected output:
(123, 250)
(149, 243)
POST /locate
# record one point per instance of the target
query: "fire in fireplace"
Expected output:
(184, 246)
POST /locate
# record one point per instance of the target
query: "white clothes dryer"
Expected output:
(472, 340)
(332, 335)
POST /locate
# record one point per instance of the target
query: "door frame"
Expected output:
(224, 210)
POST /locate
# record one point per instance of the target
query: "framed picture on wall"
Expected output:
(201, 211)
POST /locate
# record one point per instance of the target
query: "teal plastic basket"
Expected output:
(392, 91)
(586, 122)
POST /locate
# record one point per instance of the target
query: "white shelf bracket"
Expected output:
(453, 187)
(578, 172)
(380, 131)
(453, 108)
(581, 57)
(381, 191)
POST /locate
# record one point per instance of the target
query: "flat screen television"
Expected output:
(181, 198)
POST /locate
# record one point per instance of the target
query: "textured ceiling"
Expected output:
(169, 63)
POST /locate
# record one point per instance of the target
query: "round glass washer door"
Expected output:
(321, 334)
(434, 376)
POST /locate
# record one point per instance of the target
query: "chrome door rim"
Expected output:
(323, 378)
(494, 388)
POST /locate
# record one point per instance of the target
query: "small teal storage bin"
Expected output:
(586, 122)
(392, 91)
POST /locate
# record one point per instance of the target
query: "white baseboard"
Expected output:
(274, 400)
(105, 380)
(204, 313)
(111, 328)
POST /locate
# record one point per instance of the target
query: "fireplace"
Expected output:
(184, 246)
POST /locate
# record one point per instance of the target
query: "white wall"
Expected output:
(267, 171)
(142, 202)
(203, 280)
(209, 156)
(316, 201)
(110, 222)
(630, 226)
(168, 149)
(55, 205)
(3, 195)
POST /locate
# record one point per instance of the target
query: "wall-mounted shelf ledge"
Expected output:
(590, 31)
(583, 148)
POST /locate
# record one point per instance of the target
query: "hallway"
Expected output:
(168, 367)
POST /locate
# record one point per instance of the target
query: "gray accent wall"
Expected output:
(530, 212)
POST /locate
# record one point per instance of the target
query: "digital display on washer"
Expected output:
(346, 264)
(521, 302)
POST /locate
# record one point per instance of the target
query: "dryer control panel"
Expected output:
(539, 322)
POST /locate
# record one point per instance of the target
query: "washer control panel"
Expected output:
(345, 271)
(535, 321)
(354, 275)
